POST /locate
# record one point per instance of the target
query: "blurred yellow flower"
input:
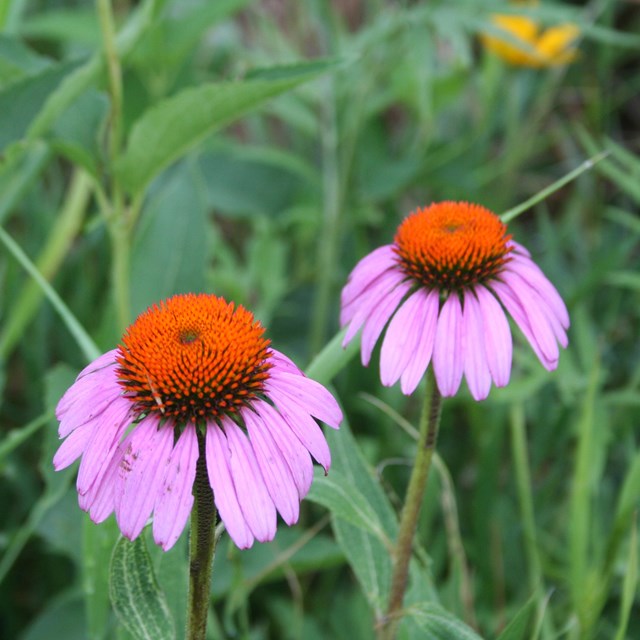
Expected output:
(531, 45)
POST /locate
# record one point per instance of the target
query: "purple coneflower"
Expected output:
(195, 368)
(445, 284)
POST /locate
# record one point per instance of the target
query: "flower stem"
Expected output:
(202, 546)
(429, 423)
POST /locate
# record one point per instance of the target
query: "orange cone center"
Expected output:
(193, 356)
(452, 245)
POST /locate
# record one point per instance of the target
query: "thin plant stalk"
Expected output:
(429, 424)
(202, 544)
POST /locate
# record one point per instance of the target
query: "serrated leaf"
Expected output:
(169, 129)
(137, 600)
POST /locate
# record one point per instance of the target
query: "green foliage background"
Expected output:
(257, 150)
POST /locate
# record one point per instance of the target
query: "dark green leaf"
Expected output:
(172, 127)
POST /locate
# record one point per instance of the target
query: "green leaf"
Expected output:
(21, 101)
(136, 597)
(367, 555)
(344, 501)
(522, 624)
(169, 129)
(435, 623)
(170, 250)
(17, 60)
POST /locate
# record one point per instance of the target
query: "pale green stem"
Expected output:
(429, 424)
(202, 544)
(83, 339)
(114, 72)
(525, 497)
(327, 248)
(66, 227)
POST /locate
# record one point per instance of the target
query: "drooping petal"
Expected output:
(224, 491)
(72, 448)
(476, 367)
(273, 466)
(294, 452)
(513, 306)
(308, 394)
(175, 499)
(107, 432)
(99, 501)
(358, 312)
(256, 504)
(498, 342)
(367, 270)
(90, 406)
(531, 273)
(536, 312)
(304, 427)
(402, 337)
(378, 319)
(448, 351)
(283, 363)
(146, 453)
(420, 358)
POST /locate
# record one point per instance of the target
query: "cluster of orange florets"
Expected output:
(193, 356)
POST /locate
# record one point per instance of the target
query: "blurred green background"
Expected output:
(257, 150)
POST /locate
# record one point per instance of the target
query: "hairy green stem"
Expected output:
(429, 423)
(202, 546)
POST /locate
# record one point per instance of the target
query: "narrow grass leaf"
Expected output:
(136, 597)
(629, 584)
(86, 344)
(520, 626)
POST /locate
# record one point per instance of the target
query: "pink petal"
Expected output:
(174, 502)
(448, 350)
(283, 362)
(367, 270)
(356, 313)
(497, 337)
(107, 432)
(146, 453)
(476, 367)
(273, 467)
(257, 507)
(513, 306)
(420, 357)
(294, 452)
(304, 427)
(531, 273)
(518, 248)
(86, 400)
(537, 314)
(73, 447)
(308, 394)
(379, 317)
(99, 501)
(402, 337)
(224, 491)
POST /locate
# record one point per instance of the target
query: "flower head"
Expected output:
(443, 287)
(528, 44)
(194, 374)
